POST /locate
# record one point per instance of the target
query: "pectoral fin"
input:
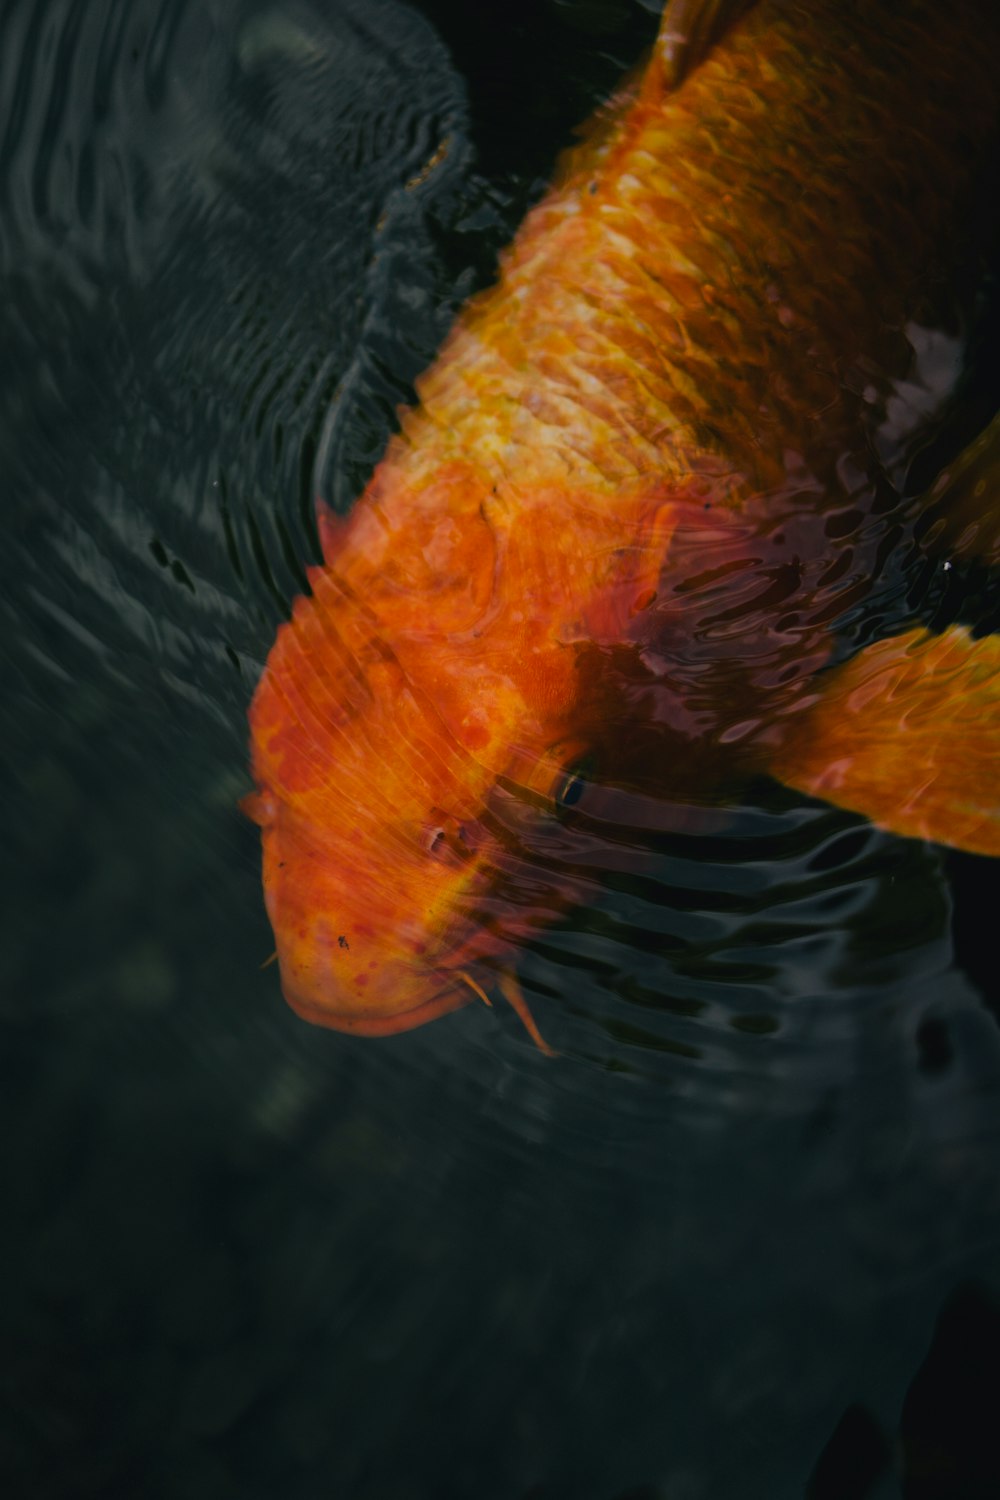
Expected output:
(908, 733)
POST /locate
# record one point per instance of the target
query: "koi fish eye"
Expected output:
(571, 783)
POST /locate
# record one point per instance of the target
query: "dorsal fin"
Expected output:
(688, 31)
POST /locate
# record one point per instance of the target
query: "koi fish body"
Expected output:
(638, 489)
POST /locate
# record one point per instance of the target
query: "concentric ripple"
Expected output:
(247, 1257)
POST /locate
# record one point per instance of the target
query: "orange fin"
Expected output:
(961, 512)
(908, 733)
(512, 993)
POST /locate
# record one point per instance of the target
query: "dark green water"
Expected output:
(745, 1233)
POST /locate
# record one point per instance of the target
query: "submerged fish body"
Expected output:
(638, 490)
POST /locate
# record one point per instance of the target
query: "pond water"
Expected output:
(743, 1235)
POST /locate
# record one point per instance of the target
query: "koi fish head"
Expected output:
(374, 854)
(439, 656)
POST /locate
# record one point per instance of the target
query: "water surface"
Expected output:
(703, 1254)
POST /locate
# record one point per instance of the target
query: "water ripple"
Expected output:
(228, 243)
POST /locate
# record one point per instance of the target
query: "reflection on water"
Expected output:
(247, 1257)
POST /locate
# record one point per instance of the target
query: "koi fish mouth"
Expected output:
(458, 989)
(452, 997)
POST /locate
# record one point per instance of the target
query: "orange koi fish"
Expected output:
(629, 532)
